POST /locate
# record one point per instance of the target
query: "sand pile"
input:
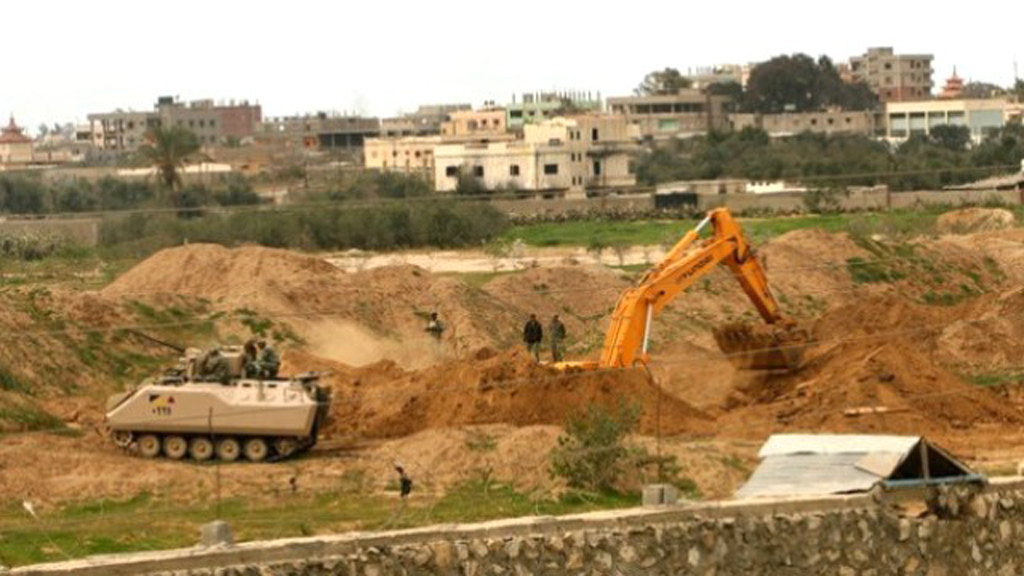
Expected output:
(970, 220)
(881, 353)
(381, 401)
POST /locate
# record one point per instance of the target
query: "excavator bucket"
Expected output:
(751, 347)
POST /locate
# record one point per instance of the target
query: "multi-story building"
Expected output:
(562, 155)
(406, 154)
(894, 77)
(537, 107)
(684, 114)
(474, 123)
(320, 131)
(212, 123)
(15, 147)
(790, 123)
(982, 117)
(425, 121)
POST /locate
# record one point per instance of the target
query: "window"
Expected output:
(515, 114)
(191, 123)
(597, 167)
(513, 170)
(202, 123)
(450, 171)
(478, 171)
(551, 169)
(211, 123)
(849, 120)
(593, 134)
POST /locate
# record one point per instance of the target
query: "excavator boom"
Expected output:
(687, 262)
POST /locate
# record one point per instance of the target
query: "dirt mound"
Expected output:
(508, 387)
(970, 220)
(880, 353)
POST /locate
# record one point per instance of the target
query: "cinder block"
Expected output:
(660, 495)
(216, 533)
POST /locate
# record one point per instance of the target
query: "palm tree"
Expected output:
(167, 150)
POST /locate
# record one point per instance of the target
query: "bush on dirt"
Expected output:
(591, 453)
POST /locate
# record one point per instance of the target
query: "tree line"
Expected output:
(939, 159)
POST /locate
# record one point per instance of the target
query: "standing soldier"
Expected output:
(533, 334)
(435, 329)
(557, 330)
(269, 361)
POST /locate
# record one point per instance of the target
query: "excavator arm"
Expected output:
(629, 334)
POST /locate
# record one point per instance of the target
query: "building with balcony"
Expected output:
(568, 156)
(894, 77)
(682, 115)
(982, 117)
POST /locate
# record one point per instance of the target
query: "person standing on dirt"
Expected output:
(557, 331)
(269, 361)
(533, 334)
(436, 330)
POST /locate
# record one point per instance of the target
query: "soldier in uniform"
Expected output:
(557, 331)
(215, 368)
(269, 362)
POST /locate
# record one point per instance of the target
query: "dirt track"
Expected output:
(900, 325)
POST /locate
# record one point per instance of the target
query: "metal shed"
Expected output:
(821, 464)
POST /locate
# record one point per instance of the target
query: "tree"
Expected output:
(167, 150)
(667, 81)
(799, 84)
(979, 90)
(951, 137)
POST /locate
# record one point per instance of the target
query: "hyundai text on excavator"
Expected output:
(775, 347)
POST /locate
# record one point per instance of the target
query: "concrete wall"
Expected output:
(959, 531)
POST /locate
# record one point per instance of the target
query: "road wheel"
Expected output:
(175, 447)
(256, 449)
(149, 446)
(201, 449)
(122, 438)
(228, 449)
(285, 447)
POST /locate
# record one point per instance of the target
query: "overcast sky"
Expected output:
(66, 58)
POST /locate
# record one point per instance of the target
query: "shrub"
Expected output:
(591, 452)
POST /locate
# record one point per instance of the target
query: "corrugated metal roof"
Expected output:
(807, 475)
(782, 444)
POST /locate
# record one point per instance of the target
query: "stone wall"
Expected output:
(925, 532)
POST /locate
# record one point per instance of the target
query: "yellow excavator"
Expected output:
(777, 346)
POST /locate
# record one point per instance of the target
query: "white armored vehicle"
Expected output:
(186, 413)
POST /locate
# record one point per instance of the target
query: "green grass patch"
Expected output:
(146, 523)
(11, 383)
(25, 417)
(864, 271)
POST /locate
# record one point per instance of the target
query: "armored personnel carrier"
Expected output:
(187, 413)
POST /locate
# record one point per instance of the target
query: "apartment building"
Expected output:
(475, 123)
(533, 107)
(320, 131)
(682, 115)
(406, 154)
(894, 77)
(567, 156)
(790, 123)
(425, 121)
(983, 116)
(212, 123)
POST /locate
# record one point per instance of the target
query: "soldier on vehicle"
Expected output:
(250, 367)
(215, 368)
(533, 334)
(269, 362)
(557, 331)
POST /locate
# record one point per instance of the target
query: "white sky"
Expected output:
(66, 58)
